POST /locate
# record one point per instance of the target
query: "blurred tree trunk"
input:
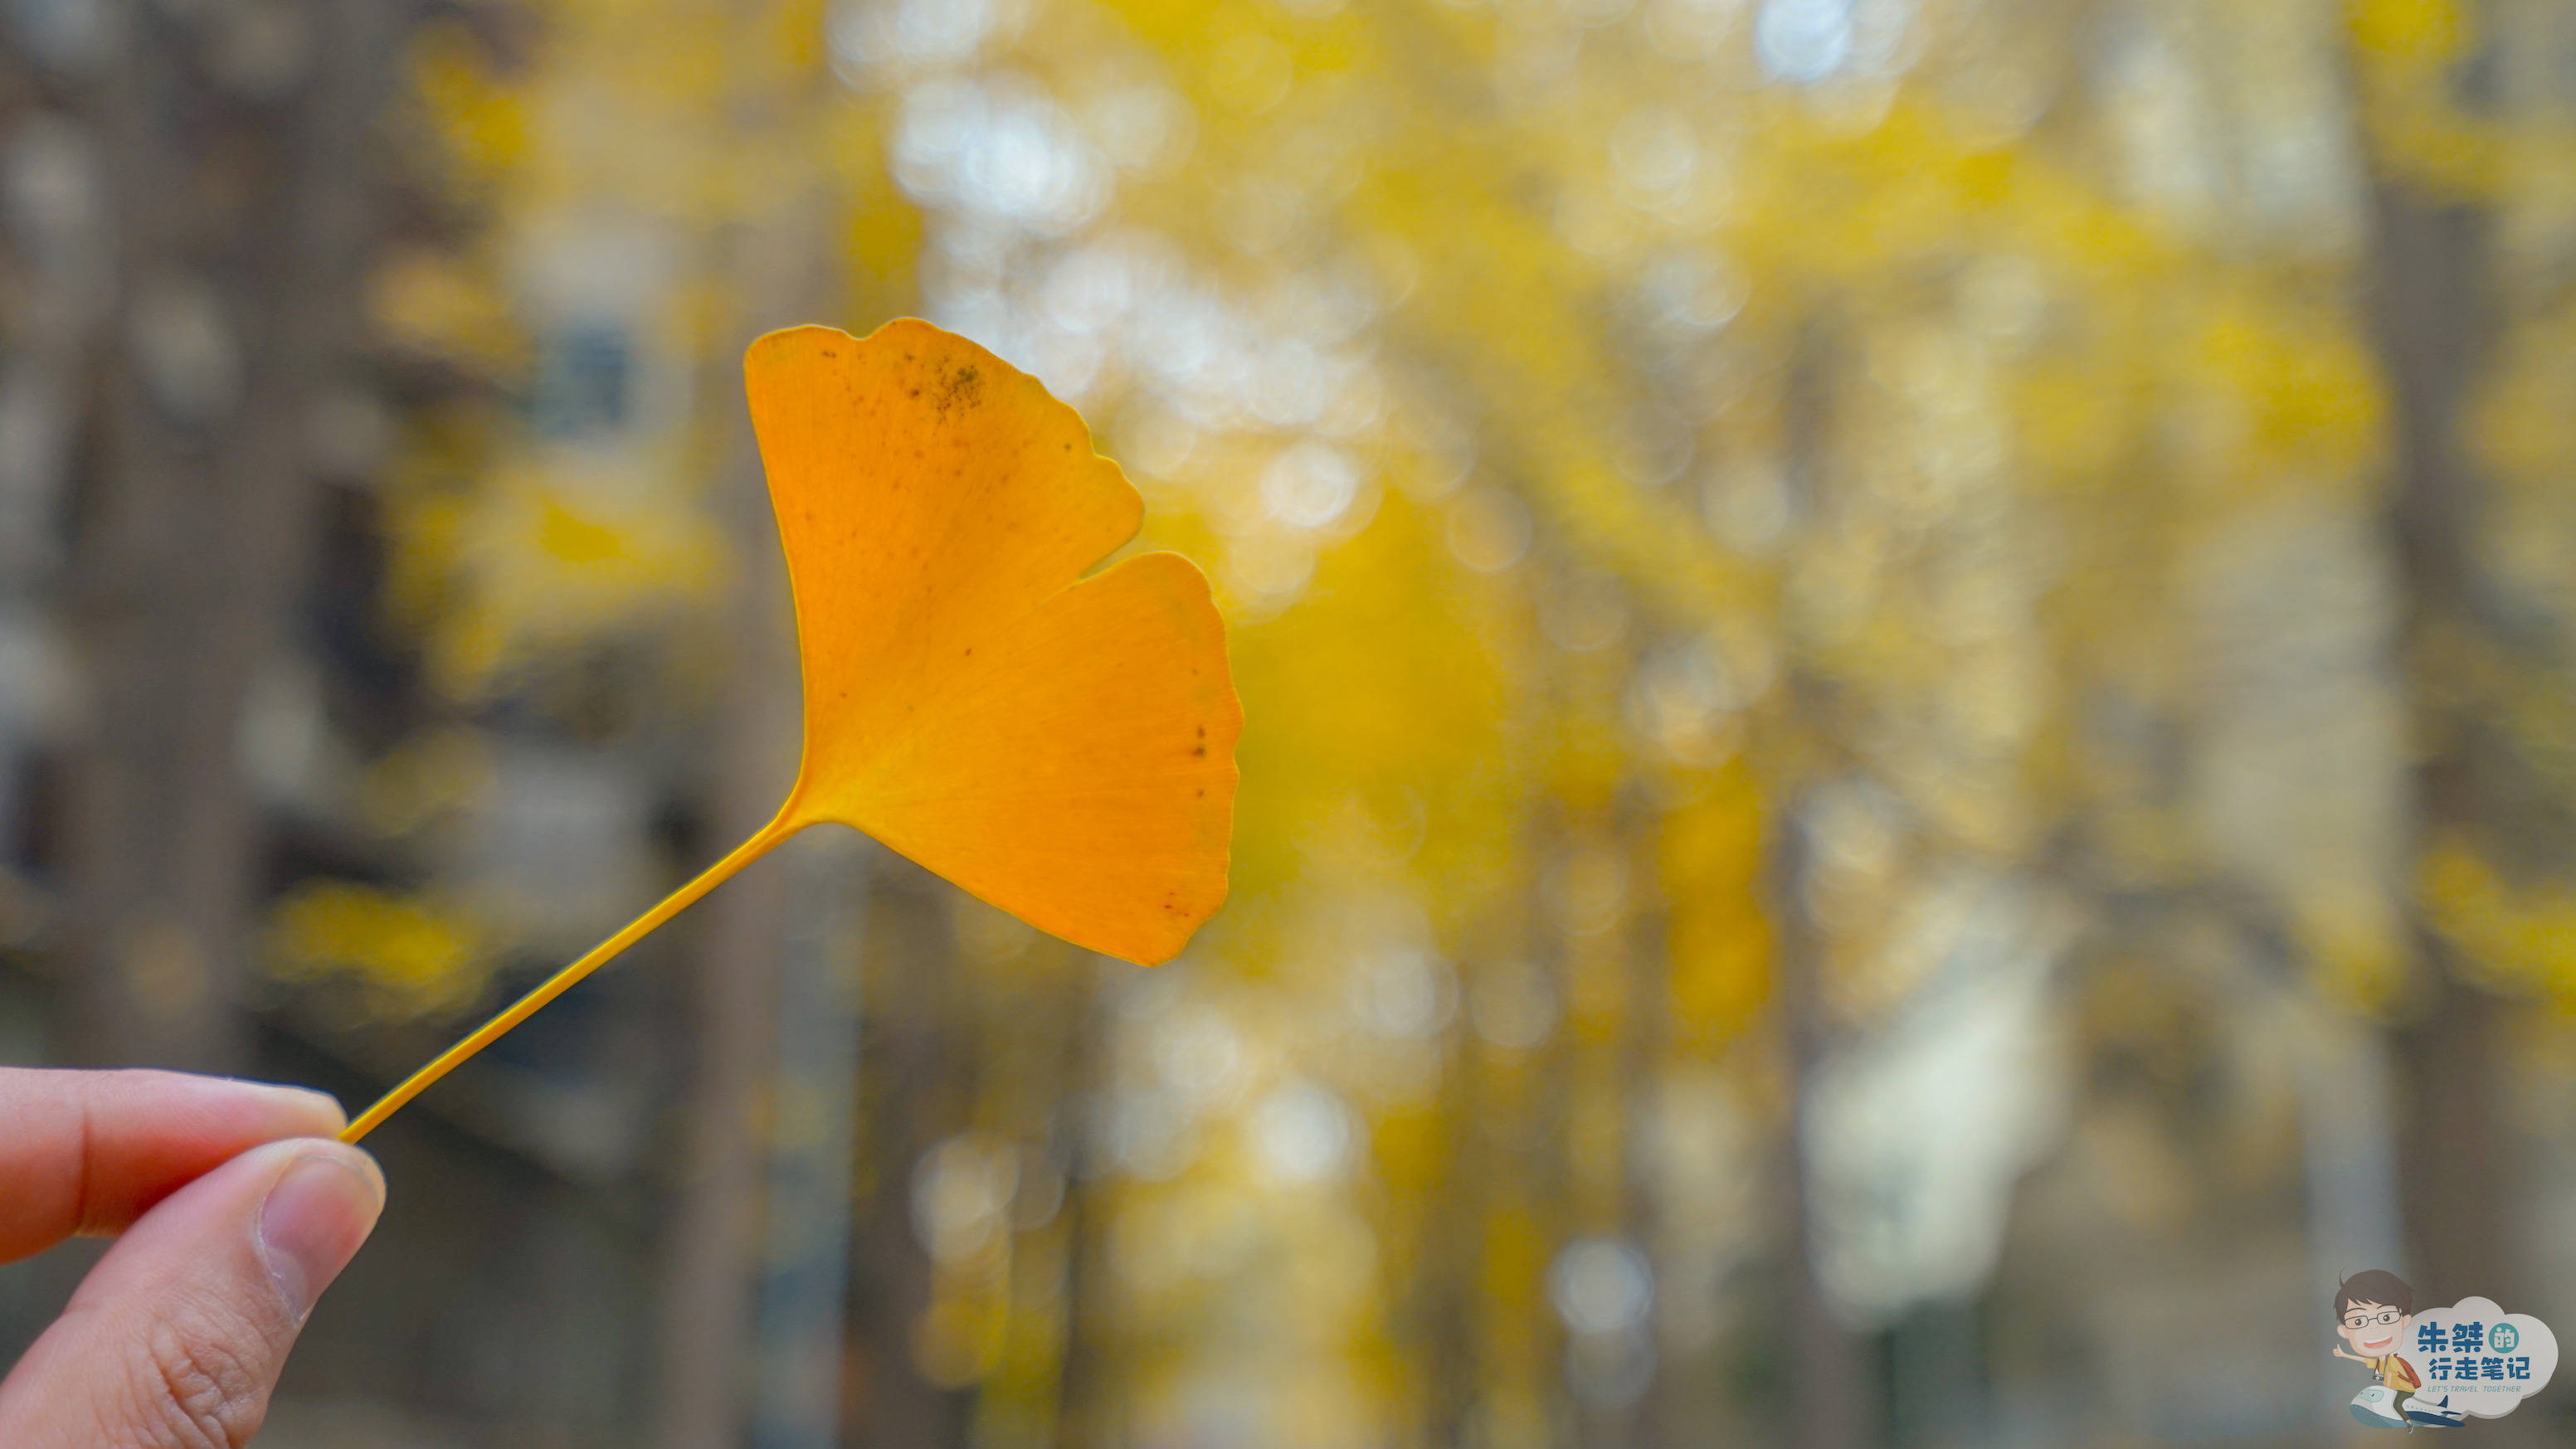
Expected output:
(242, 221)
(922, 1068)
(802, 1334)
(1833, 1388)
(781, 267)
(1086, 1409)
(2435, 323)
(1832, 1391)
(1445, 1301)
(1646, 1046)
(712, 1249)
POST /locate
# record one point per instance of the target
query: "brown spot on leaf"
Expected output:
(963, 388)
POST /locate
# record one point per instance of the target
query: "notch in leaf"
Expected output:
(1060, 745)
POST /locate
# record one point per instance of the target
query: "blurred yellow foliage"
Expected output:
(549, 559)
(407, 955)
(429, 303)
(2516, 938)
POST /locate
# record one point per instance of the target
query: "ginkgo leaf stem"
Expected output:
(562, 981)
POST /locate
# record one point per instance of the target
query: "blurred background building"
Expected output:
(1911, 673)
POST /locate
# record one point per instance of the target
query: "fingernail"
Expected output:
(318, 1213)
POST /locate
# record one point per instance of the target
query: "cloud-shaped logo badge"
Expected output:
(2477, 1359)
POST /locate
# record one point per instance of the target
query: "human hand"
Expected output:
(228, 1235)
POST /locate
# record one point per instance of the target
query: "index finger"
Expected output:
(89, 1152)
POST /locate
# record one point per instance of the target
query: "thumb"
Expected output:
(176, 1338)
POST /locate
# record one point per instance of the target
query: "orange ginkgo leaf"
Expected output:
(1060, 745)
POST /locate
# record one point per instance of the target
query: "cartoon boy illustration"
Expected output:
(2373, 1307)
